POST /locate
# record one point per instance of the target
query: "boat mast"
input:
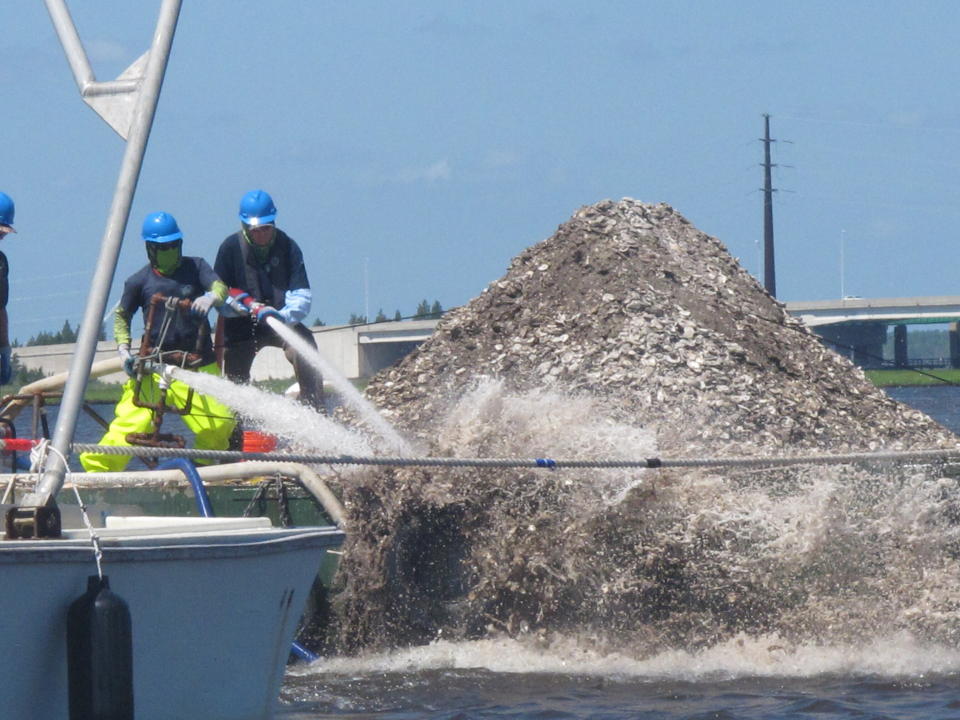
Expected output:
(128, 104)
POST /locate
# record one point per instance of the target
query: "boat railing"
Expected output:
(303, 475)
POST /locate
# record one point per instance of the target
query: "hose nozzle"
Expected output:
(243, 301)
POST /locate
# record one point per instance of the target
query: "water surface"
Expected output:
(747, 679)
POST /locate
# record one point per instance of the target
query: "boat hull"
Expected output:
(214, 611)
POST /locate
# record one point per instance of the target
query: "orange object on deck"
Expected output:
(254, 441)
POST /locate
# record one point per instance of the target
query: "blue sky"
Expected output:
(414, 148)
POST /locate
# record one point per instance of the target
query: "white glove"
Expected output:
(128, 360)
(201, 306)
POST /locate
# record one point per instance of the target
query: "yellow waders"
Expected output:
(211, 421)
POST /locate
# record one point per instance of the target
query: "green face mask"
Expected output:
(165, 259)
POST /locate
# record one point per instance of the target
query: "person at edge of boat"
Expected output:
(171, 274)
(7, 210)
(260, 262)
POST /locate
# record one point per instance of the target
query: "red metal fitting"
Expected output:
(17, 444)
(257, 442)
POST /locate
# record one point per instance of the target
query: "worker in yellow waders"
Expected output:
(192, 282)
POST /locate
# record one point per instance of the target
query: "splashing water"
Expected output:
(279, 415)
(663, 560)
(351, 396)
(490, 421)
(741, 657)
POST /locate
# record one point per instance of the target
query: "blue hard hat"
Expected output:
(257, 208)
(6, 210)
(160, 227)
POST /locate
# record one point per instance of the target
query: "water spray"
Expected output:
(260, 312)
(351, 396)
(277, 414)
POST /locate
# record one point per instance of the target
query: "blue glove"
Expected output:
(268, 312)
(128, 360)
(6, 368)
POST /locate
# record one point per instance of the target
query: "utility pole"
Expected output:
(843, 287)
(769, 266)
(366, 289)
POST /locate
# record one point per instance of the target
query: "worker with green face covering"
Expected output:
(181, 337)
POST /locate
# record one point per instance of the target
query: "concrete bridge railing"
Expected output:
(355, 351)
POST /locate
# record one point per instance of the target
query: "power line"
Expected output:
(861, 123)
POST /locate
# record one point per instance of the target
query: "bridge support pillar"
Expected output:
(954, 336)
(900, 354)
(861, 342)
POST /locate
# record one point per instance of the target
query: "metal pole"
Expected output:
(67, 32)
(55, 468)
(769, 265)
(843, 285)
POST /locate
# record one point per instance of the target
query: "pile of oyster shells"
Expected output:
(629, 320)
(629, 301)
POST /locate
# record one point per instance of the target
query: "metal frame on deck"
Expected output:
(128, 105)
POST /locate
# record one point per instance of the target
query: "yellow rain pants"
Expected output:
(211, 421)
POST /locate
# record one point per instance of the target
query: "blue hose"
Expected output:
(301, 652)
(199, 491)
(206, 510)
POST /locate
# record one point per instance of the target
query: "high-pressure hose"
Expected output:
(190, 472)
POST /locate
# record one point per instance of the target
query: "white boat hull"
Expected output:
(214, 611)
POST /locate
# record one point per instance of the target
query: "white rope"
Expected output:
(38, 456)
(94, 538)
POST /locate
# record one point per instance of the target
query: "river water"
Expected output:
(940, 403)
(745, 678)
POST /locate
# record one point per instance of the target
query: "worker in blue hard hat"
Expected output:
(181, 338)
(6, 227)
(264, 270)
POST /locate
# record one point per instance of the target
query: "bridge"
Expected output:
(355, 351)
(858, 327)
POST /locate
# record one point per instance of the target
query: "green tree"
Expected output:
(317, 322)
(67, 334)
(21, 375)
(423, 311)
(436, 310)
(380, 316)
(357, 319)
(397, 316)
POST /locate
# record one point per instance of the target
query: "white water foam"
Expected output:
(279, 415)
(350, 395)
(492, 421)
(898, 656)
